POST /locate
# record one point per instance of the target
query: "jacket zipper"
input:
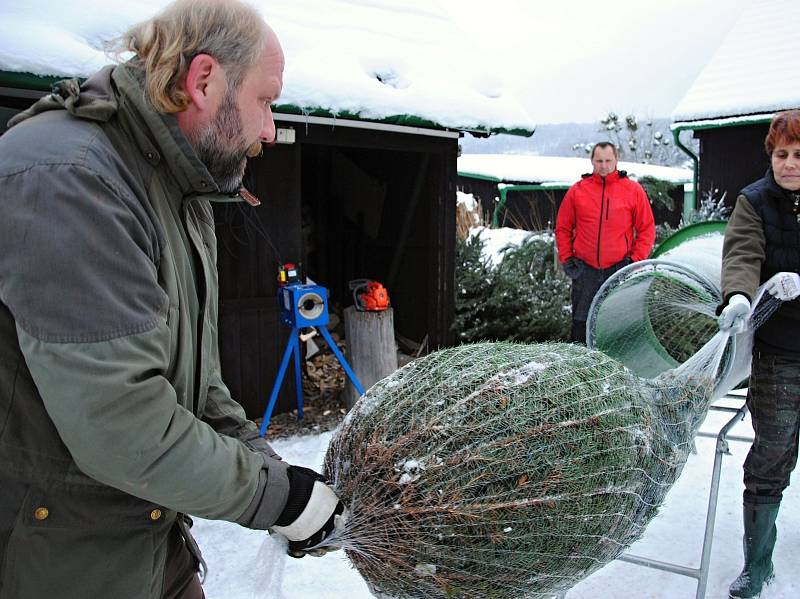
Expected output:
(600, 223)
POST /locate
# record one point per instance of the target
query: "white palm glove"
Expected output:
(733, 318)
(784, 286)
(313, 514)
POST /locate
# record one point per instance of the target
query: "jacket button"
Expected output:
(41, 513)
(155, 514)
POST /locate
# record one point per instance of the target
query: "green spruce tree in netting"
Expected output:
(502, 470)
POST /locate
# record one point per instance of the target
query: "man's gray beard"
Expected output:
(221, 148)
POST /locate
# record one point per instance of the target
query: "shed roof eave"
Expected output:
(723, 121)
(31, 85)
(480, 177)
(409, 120)
(517, 185)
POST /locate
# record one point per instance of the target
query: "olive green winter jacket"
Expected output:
(113, 415)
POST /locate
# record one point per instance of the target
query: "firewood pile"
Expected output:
(323, 407)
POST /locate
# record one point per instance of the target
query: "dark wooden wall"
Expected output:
(347, 203)
(250, 338)
(534, 210)
(731, 158)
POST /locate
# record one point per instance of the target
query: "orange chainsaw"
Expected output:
(369, 296)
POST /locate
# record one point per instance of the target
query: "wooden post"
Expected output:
(371, 351)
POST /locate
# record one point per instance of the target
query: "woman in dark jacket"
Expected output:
(762, 245)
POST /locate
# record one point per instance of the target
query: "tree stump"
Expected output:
(371, 351)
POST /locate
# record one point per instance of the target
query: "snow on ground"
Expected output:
(556, 170)
(248, 564)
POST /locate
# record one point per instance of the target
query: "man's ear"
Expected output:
(205, 83)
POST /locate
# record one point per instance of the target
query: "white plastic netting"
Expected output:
(659, 315)
(503, 470)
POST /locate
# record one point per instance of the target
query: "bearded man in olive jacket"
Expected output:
(114, 420)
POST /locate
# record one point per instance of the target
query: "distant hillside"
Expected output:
(558, 140)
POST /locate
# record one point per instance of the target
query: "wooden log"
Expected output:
(371, 351)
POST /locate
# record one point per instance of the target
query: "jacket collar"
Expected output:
(158, 136)
(772, 184)
(610, 178)
(788, 199)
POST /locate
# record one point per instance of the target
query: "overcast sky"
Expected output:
(576, 60)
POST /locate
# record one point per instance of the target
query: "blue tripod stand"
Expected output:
(303, 306)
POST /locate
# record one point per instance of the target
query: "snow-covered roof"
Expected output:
(555, 170)
(376, 59)
(754, 71)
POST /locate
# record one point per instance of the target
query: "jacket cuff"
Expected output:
(255, 442)
(270, 497)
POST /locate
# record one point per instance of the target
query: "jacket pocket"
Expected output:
(71, 552)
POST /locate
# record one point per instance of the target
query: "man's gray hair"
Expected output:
(232, 32)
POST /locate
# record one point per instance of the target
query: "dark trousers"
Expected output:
(180, 573)
(773, 399)
(584, 288)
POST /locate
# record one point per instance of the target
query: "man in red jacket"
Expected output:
(604, 223)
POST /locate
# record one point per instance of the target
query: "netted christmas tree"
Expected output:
(502, 470)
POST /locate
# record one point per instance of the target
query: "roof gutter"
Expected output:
(405, 120)
(690, 199)
(690, 203)
(357, 124)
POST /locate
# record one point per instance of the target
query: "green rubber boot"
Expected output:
(760, 533)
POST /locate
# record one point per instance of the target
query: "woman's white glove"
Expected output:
(785, 286)
(733, 318)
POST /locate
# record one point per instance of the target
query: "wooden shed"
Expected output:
(728, 108)
(525, 191)
(360, 184)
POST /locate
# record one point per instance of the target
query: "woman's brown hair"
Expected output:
(785, 127)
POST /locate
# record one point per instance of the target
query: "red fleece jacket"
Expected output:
(603, 220)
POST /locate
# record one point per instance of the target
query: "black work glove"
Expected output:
(574, 268)
(312, 513)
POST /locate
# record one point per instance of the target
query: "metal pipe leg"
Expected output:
(293, 340)
(342, 361)
(298, 379)
(713, 496)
